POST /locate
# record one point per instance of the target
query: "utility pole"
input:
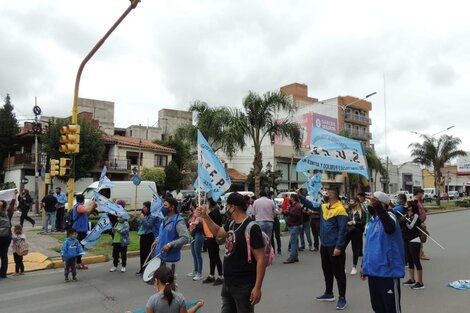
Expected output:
(36, 129)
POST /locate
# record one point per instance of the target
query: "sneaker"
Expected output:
(417, 286)
(342, 304)
(279, 253)
(326, 297)
(209, 279)
(75, 278)
(311, 249)
(113, 269)
(301, 248)
(315, 249)
(197, 277)
(123, 269)
(82, 266)
(290, 261)
(353, 271)
(409, 282)
(218, 281)
(425, 257)
(138, 274)
(192, 274)
(67, 279)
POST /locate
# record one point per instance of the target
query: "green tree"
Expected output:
(173, 176)
(268, 180)
(154, 174)
(215, 125)
(8, 129)
(436, 153)
(258, 121)
(91, 146)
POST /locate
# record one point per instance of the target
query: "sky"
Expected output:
(167, 54)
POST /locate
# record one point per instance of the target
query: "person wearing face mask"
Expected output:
(172, 236)
(71, 249)
(145, 232)
(383, 261)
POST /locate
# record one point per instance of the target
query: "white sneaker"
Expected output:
(113, 269)
(123, 269)
(197, 277)
(353, 271)
(192, 274)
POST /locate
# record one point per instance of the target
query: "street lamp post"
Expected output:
(269, 167)
(71, 181)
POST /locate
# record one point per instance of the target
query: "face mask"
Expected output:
(73, 237)
(165, 211)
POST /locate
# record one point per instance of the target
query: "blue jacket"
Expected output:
(146, 224)
(383, 253)
(61, 199)
(333, 222)
(166, 235)
(80, 223)
(71, 248)
(156, 226)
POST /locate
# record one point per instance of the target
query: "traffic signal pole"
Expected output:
(71, 181)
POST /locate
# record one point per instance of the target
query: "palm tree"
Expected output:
(258, 121)
(214, 124)
(436, 152)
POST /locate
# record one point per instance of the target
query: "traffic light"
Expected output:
(47, 179)
(65, 166)
(70, 139)
(54, 167)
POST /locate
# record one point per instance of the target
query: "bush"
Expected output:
(463, 203)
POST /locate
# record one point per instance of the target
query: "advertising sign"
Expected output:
(325, 122)
(463, 165)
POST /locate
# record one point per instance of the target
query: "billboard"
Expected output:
(463, 165)
(325, 122)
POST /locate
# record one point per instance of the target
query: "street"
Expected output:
(286, 288)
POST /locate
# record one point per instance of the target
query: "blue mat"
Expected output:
(189, 304)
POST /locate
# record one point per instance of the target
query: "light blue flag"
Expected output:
(204, 178)
(104, 181)
(156, 205)
(102, 225)
(212, 170)
(109, 206)
(334, 153)
(314, 185)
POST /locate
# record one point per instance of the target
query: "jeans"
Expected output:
(236, 299)
(333, 266)
(196, 251)
(294, 242)
(70, 263)
(4, 244)
(305, 229)
(19, 265)
(266, 227)
(49, 217)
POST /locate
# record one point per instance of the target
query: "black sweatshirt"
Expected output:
(387, 221)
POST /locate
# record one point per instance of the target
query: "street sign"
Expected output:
(24, 180)
(136, 180)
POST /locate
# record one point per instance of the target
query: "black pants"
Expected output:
(413, 256)
(236, 299)
(145, 247)
(214, 257)
(4, 244)
(333, 266)
(80, 237)
(24, 216)
(277, 234)
(355, 237)
(19, 266)
(315, 226)
(59, 222)
(118, 249)
(385, 294)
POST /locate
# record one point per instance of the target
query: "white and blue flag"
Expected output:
(104, 180)
(211, 172)
(109, 206)
(156, 205)
(102, 225)
(314, 185)
(334, 153)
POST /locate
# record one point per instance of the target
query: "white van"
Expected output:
(124, 190)
(429, 194)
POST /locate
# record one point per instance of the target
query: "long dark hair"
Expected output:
(414, 206)
(165, 276)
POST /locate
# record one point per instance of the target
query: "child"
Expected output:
(20, 248)
(167, 300)
(120, 243)
(70, 250)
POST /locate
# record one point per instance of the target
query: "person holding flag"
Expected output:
(80, 223)
(146, 223)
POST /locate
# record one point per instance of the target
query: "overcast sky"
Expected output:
(167, 54)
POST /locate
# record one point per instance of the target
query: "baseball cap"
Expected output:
(237, 199)
(382, 197)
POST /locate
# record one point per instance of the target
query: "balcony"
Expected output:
(117, 165)
(358, 119)
(359, 134)
(23, 160)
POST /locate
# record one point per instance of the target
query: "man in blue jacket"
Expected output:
(333, 221)
(383, 260)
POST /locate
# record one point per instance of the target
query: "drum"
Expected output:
(151, 267)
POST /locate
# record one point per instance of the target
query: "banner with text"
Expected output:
(102, 225)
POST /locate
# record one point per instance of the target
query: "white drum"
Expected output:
(151, 267)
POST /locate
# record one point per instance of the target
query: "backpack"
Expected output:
(268, 249)
(22, 247)
(69, 221)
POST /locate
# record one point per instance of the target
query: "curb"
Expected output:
(87, 260)
(447, 211)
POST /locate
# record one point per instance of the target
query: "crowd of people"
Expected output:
(392, 235)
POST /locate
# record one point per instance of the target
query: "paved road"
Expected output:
(287, 288)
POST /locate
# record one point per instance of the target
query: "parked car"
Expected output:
(429, 194)
(444, 196)
(453, 194)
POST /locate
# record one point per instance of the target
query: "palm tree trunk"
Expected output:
(437, 184)
(257, 167)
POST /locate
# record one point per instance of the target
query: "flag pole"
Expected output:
(198, 176)
(437, 243)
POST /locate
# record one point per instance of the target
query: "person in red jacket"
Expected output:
(294, 222)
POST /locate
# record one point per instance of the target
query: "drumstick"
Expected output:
(146, 260)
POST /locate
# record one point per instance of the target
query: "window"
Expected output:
(160, 160)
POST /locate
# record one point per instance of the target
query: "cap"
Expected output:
(382, 197)
(236, 199)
